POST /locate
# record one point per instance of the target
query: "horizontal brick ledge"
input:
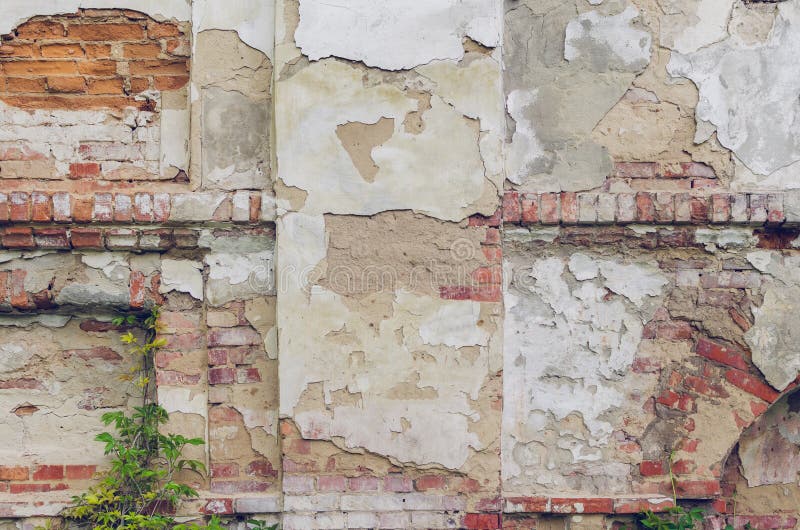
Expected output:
(642, 207)
(578, 505)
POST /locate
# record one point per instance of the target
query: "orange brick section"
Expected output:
(95, 59)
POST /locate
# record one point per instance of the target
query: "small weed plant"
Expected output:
(677, 517)
(140, 490)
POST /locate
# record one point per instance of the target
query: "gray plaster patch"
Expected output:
(235, 140)
(607, 42)
(558, 90)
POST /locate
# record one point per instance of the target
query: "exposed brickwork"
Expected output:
(92, 59)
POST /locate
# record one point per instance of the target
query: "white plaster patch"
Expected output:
(620, 43)
(454, 324)
(734, 237)
(525, 149)
(438, 172)
(749, 93)
(184, 276)
(185, 400)
(636, 282)
(395, 34)
(688, 25)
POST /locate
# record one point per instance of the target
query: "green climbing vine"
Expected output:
(140, 490)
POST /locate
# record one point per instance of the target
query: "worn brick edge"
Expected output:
(663, 207)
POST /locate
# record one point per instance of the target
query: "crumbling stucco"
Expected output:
(558, 91)
(748, 96)
(773, 337)
(396, 35)
(572, 328)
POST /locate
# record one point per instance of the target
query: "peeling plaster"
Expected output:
(748, 92)
(17, 11)
(394, 34)
(414, 430)
(774, 338)
(568, 350)
(438, 171)
(253, 20)
(182, 275)
(557, 91)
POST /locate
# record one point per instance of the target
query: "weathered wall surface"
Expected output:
(444, 264)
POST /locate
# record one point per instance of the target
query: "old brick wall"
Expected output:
(445, 264)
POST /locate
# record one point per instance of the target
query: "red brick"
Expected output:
(40, 29)
(512, 211)
(103, 207)
(137, 289)
(398, 483)
(218, 507)
(227, 487)
(142, 207)
(13, 473)
(158, 30)
(486, 293)
(86, 237)
(430, 482)
(482, 521)
(149, 50)
(751, 384)
(549, 208)
(260, 468)
(652, 468)
(248, 375)
(674, 400)
(66, 85)
(42, 210)
(54, 238)
(332, 483)
(488, 275)
(161, 205)
(492, 236)
(18, 237)
(48, 473)
(698, 207)
(224, 470)
(670, 330)
(569, 207)
(105, 32)
(531, 504)
(29, 68)
(4, 207)
(582, 505)
(634, 506)
(636, 170)
(170, 82)
(78, 472)
(697, 489)
(221, 376)
(82, 209)
(455, 292)
(482, 220)
(363, 483)
(530, 208)
(4, 288)
(20, 206)
(239, 336)
(645, 209)
(19, 298)
(726, 355)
